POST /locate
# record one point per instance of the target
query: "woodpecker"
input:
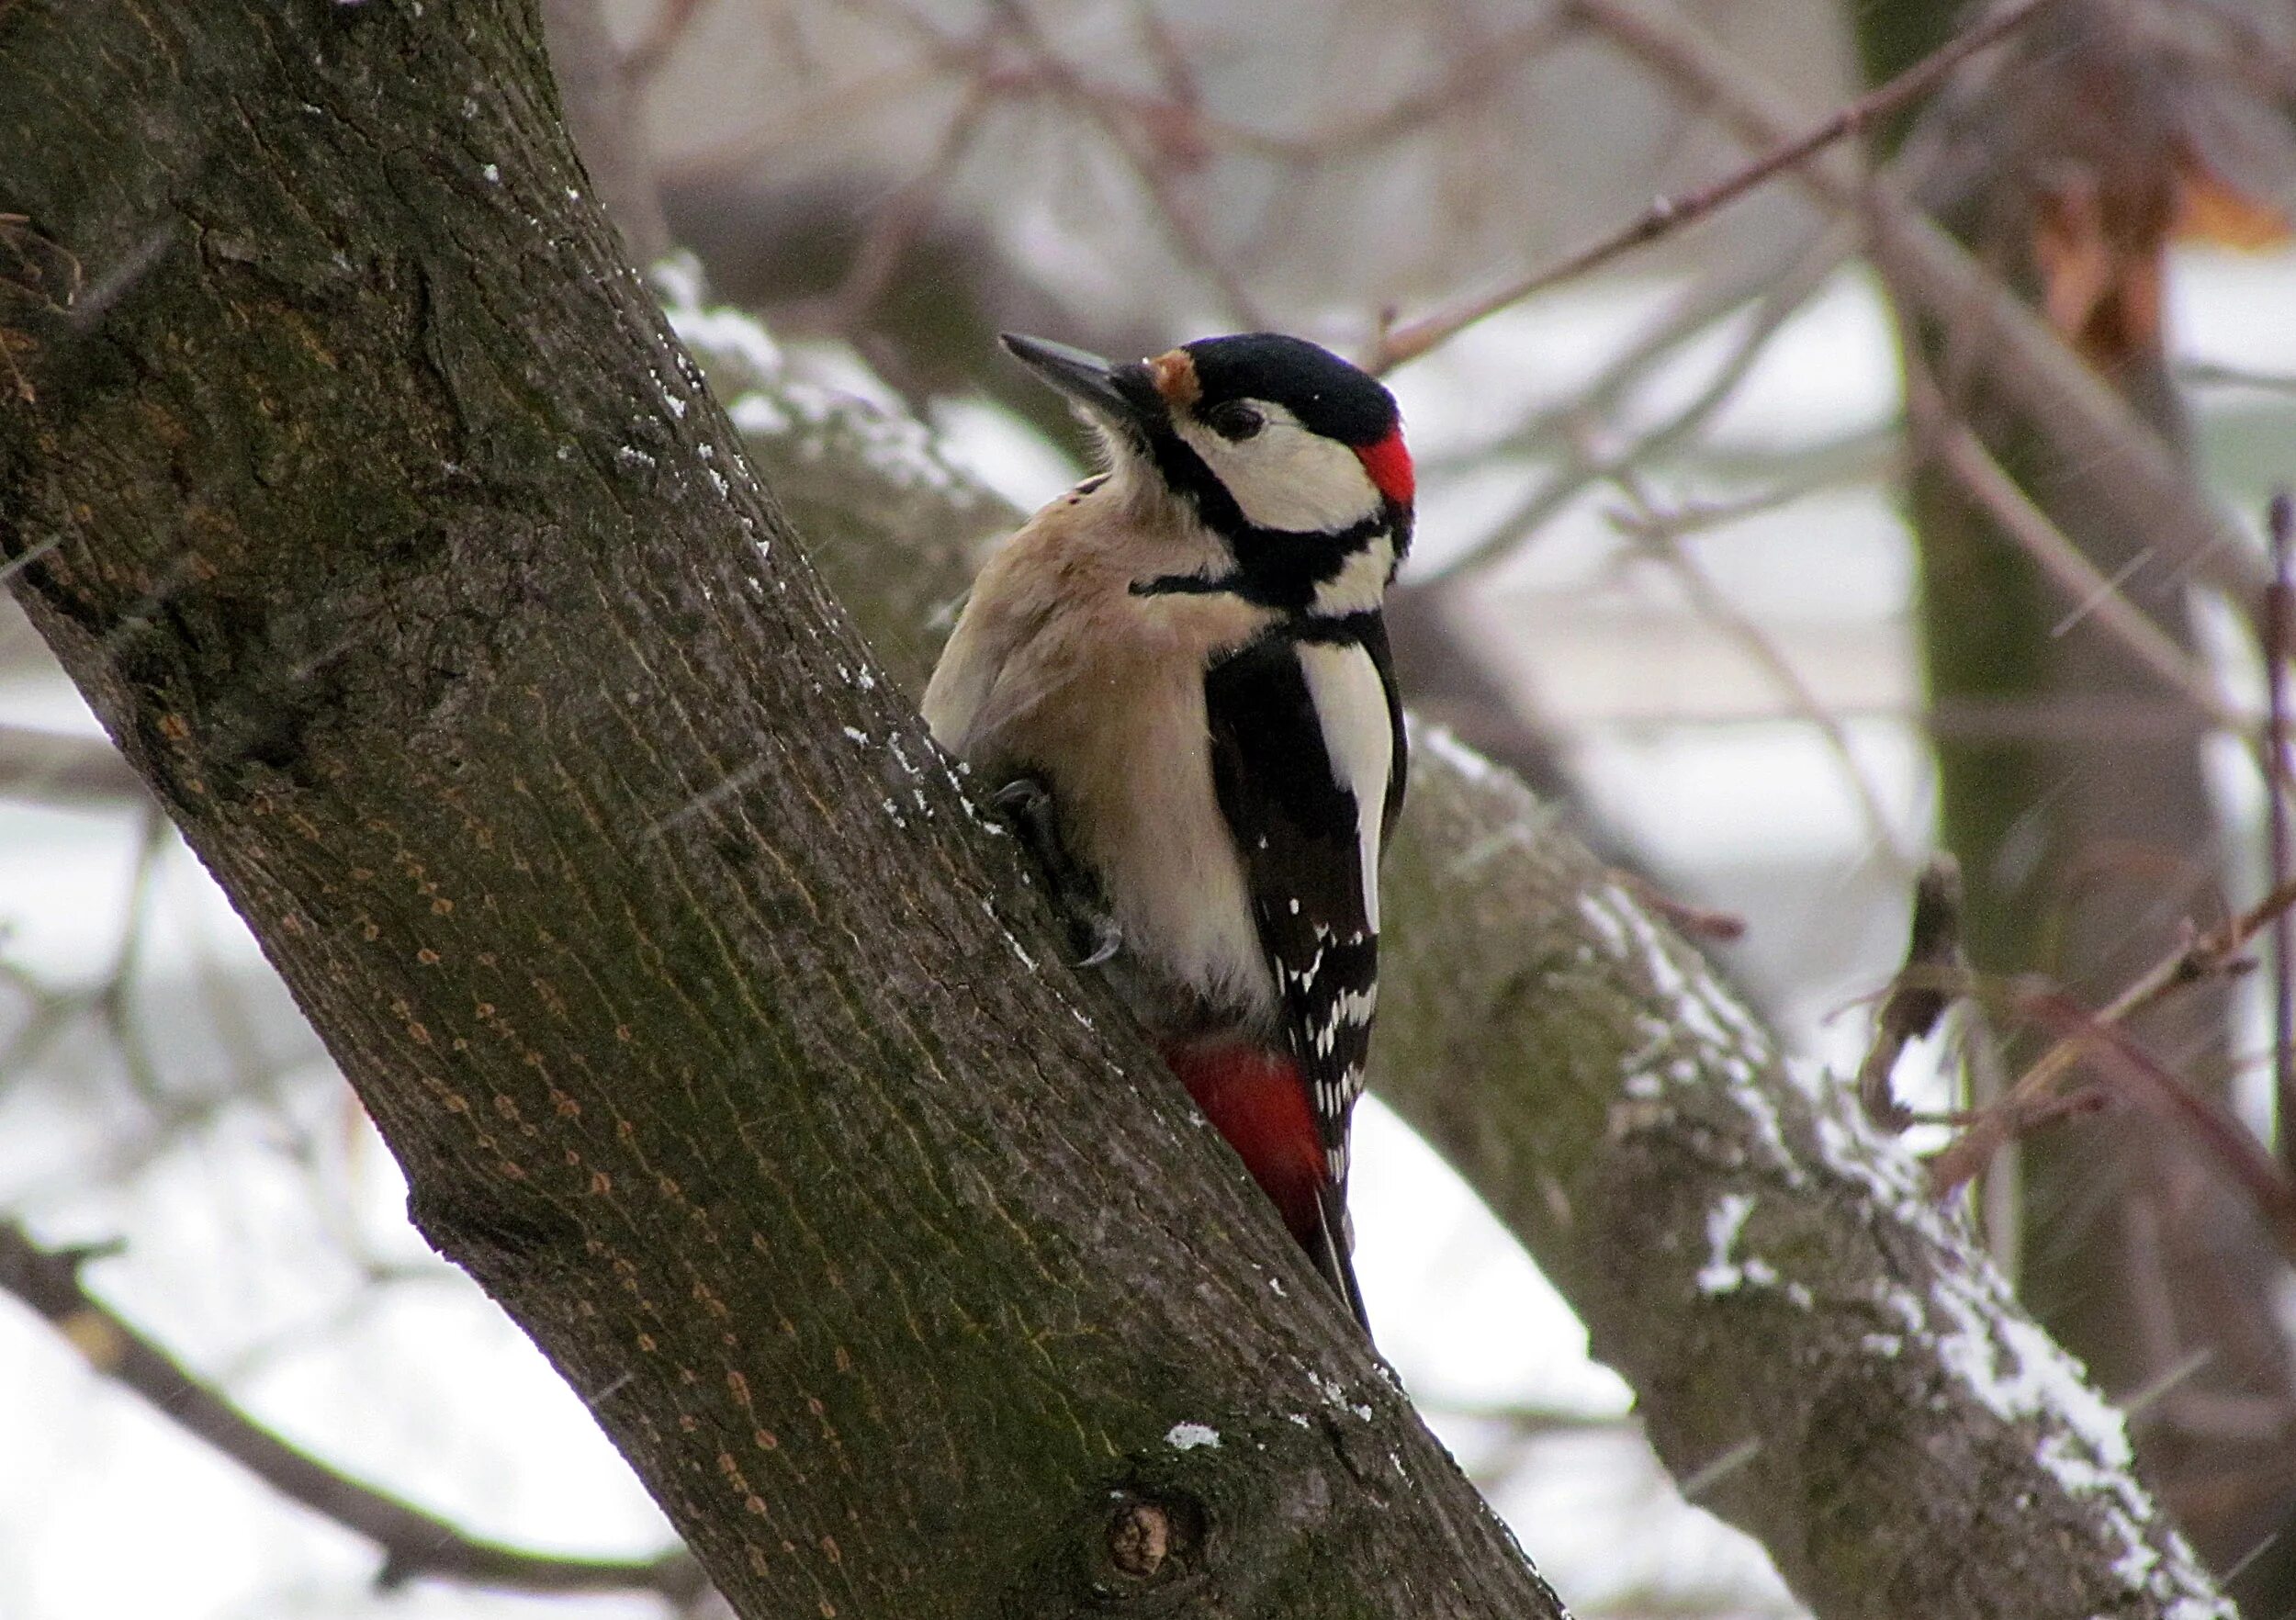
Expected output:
(1177, 676)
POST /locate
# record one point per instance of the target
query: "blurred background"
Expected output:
(1741, 548)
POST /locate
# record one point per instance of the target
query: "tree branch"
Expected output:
(1743, 1248)
(397, 545)
(52, 767)
(1670, 214)
(414, 1544)
(2089, 426)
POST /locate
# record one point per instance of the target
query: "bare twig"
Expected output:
(1149, 159)
(54, 768)
(1705, 305)
(1930, 981)
(2210, 373)
(2135, 1071)
(415, 1544)
(901, 219)
(2201, 956)
(1699, 922)
(1787, 293)
(1710, 603)
(2089, 425)
(653, 47)
(1530, 1419)
(1668, 214)
(2279, 643)
(2093, 594)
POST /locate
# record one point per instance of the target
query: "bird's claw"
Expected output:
(1026, 804)
(1106, 937)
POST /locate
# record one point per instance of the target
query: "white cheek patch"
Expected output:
(1285, 477)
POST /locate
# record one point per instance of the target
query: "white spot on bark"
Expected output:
(1722, 1274)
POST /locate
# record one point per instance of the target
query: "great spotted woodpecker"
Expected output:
(1180, 673)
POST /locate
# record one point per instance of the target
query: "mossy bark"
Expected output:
(1603, 1091)
(365, 496)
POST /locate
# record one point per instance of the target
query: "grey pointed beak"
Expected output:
(1087, 379)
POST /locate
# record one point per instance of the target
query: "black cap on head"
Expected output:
(1328, 395)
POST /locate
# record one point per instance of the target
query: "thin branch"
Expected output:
(1141, 152)
(1705, 923)
(1530, 1419)
(2201, 956)
(1709, 603)
(54, 768)
(2090, 425)
(1483, 70)
(1786, 295)
(900, 222)
(1708, 303)
(1969, 719)
(2279, 643)
(653, 47)
(2142, 1076)
(2095, 595)
(415, 1544)
(1670, 213)
(1932, 977)
(2211, 374)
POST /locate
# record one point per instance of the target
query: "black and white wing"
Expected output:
(1307, 747)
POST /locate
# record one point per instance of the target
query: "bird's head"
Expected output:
(1291, 455)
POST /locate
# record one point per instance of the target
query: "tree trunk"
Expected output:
(397, 546)
(1590, 1076)
(2088, 850)
(362, 492)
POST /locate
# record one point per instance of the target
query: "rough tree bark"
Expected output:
(363, 496)
(398, 548)
(1764, 1271)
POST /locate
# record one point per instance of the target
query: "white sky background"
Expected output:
(245, 1234)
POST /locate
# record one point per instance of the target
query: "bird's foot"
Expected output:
(1025, 804)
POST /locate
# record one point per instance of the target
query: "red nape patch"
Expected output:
(1259, 1101)
(1389, 466)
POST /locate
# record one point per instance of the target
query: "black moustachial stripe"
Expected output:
(1277, 568)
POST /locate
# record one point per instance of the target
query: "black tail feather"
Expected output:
(1329, 1246)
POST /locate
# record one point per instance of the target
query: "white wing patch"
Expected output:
(1359, 740)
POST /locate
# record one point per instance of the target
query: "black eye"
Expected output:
(1234, 420)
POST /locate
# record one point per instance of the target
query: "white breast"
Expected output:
(1156, 834)
(1102, 691)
